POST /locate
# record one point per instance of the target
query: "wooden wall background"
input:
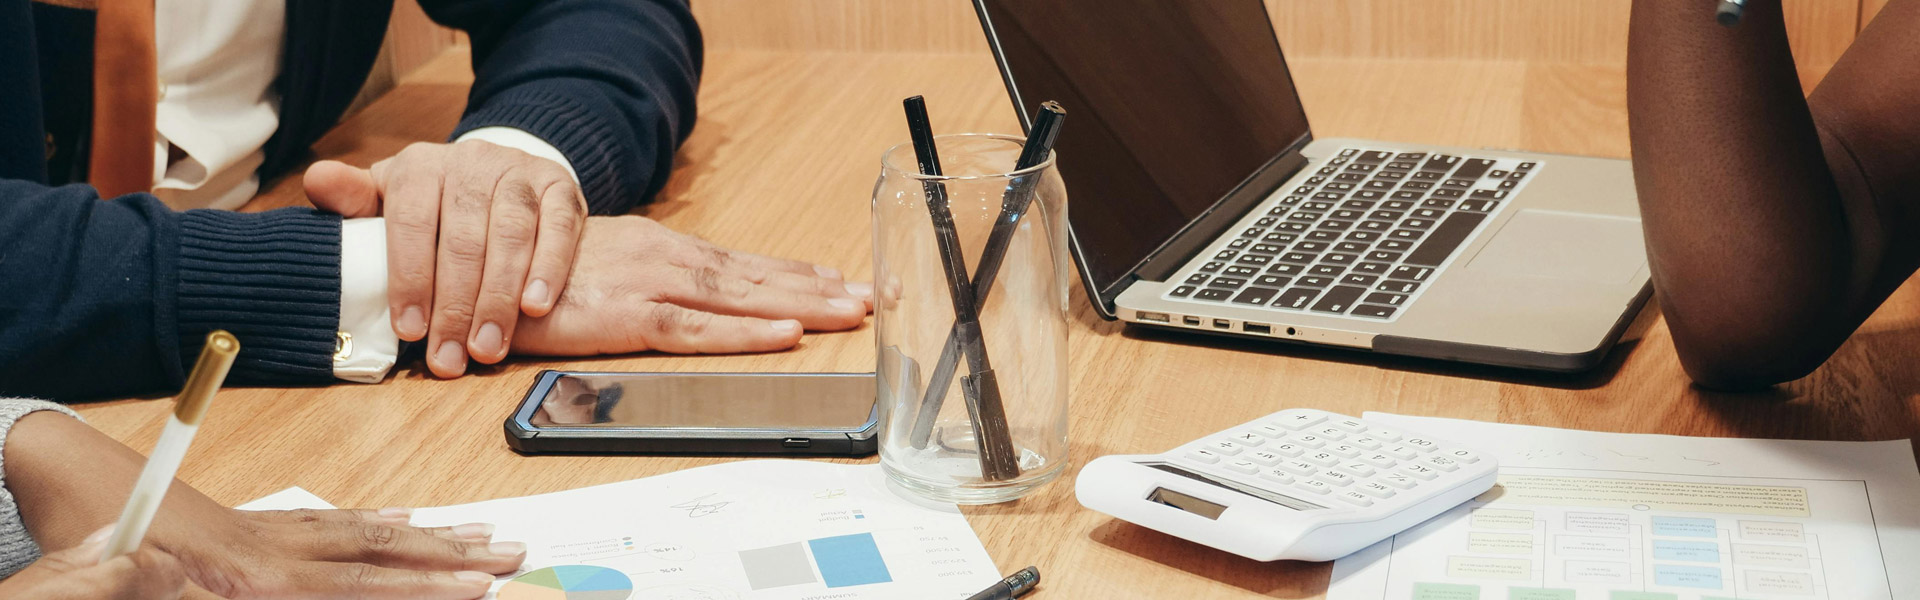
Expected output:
(1571, 31)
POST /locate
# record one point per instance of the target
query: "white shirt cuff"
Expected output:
(368, 347)
(522, 141)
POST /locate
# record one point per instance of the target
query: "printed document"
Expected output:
(750, 530)
(1583, 515)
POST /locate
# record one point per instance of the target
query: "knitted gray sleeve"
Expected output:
(17, 549)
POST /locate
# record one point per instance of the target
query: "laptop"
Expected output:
(1201, 201)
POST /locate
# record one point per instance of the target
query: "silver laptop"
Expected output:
(1200, 200)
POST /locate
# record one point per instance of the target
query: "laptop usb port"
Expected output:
(1191, 321)
(1154, 317)
(1260, 328)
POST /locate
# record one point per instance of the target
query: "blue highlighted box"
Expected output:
(1683, 527)
(1706, 578)
(1686, 551)
(849, 560)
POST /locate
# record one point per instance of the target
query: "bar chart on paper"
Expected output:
(762, 530)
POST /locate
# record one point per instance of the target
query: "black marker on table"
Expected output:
(998, 458)
(1013, 586)
(1013, 206)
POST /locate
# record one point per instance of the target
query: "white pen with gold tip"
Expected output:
(208, 373)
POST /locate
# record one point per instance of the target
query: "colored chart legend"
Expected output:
(569, 582)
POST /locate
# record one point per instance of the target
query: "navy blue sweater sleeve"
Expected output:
(111, 298)
(610, 83)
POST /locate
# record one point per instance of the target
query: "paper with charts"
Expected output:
(751, 530)
(1600, 516)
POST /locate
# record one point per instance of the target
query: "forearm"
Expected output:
(107, 298)
(1746, 232)
(17, 547)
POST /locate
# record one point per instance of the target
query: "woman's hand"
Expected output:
(77, 573)
(70, 479)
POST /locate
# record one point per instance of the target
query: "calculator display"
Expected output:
(1286, 501)
(1187, 503)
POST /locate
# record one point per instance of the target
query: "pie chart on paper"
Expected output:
(569, 582)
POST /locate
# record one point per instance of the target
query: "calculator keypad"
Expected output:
(1318, 456)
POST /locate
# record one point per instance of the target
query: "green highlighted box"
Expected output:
(1538, 594)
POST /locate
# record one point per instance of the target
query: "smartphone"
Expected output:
(697, 413)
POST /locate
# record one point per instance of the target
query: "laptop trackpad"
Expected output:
(1560, 245)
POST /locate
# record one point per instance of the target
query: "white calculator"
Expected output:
(1297, 484)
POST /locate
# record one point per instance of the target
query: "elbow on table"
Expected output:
(1748, 363)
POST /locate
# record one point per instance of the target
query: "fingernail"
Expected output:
(536, 293)
(99, 536)
(395, 513)
(473, 577)
(844, 303)
(507, 548)
(490, 341)
(450, 356)
(413, 322)
(863, 290)
(787, 326)
(827, 272)
(474, 530)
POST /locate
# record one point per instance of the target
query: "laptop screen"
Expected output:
(1170, 104)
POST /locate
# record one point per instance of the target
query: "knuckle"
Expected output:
(500, 300)
(455, 313)
(520, 195)
(706, 281)
(514, 233)
(464, 252)
(359, 576)
(376, 539)
(663, 318)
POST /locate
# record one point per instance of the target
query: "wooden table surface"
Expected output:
(783, 162)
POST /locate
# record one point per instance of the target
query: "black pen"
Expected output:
(998, 461)
(1013, 206)
(1013, 586)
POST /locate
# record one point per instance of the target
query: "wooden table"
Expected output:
(783, 163)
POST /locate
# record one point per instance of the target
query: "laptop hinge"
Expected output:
(1210, 225)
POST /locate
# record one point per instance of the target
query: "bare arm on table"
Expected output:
(1775, 224)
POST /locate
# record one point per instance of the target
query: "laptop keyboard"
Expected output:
(1361, 237)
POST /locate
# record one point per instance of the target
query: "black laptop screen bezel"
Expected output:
(1174, 251)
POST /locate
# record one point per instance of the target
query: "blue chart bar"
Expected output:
(849, 560)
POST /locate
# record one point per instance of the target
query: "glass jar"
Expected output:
(971, 411)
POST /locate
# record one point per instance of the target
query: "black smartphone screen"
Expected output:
(741, 401)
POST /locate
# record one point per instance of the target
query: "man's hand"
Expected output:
(70, 479)
(476, 235)
(77, 573)
(640, 286)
